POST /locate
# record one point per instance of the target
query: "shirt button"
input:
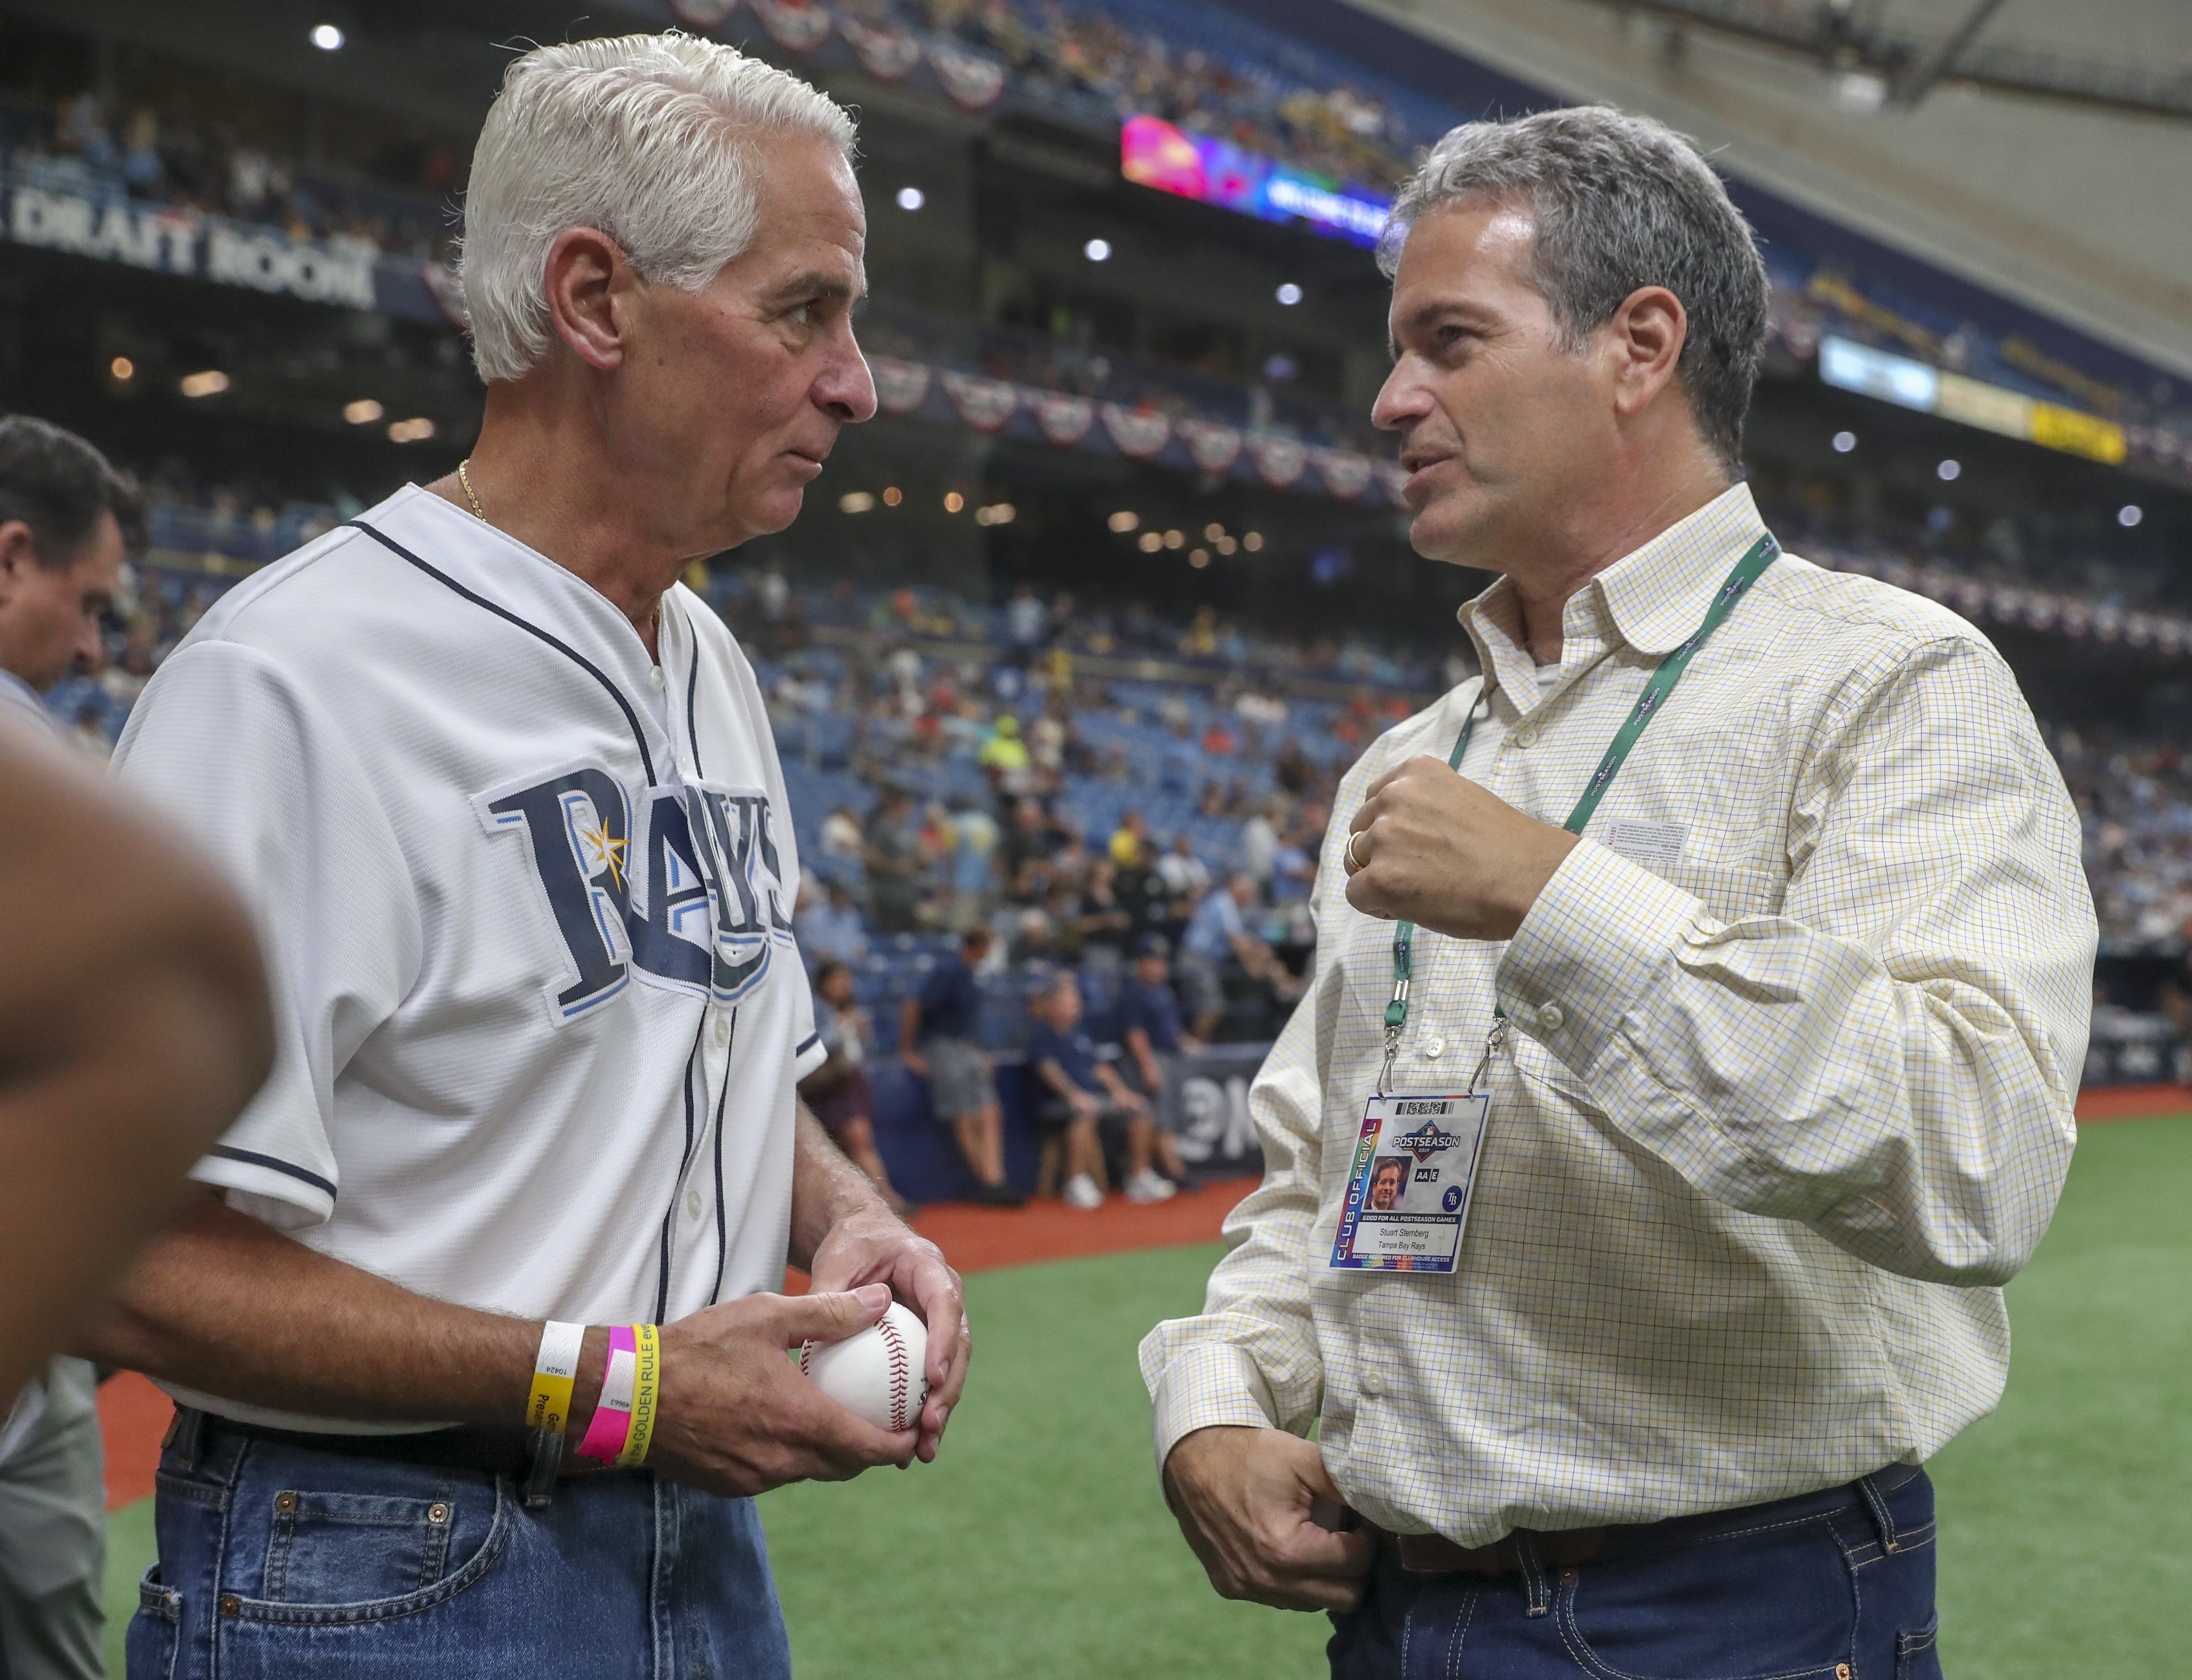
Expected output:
(722, 1031)
(654, 677)
(1372, 1383)
(1550, 1017)
(692, 1203)
(1435, 1049)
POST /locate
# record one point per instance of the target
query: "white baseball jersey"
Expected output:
(526, 900)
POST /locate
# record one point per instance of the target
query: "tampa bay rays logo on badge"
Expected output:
(689, 890)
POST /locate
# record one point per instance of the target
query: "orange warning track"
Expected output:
(133, 1414)
(2132, 1102)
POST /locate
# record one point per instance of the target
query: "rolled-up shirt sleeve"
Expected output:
(1891, 1061)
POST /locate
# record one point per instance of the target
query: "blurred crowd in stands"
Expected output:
(80, 147)
(987, 796)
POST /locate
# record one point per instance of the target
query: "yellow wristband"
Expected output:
(645, 1383)
(553, 1369)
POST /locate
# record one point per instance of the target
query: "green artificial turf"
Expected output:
(1037, 1545)
(2066, 1516)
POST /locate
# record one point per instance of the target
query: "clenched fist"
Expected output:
(1430, 847)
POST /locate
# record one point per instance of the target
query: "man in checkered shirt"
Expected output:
(1789, 1037)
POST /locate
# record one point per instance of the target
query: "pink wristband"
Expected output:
(612, 1420)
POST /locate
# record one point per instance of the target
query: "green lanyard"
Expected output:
(1747, 572)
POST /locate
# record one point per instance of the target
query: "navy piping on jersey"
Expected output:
(253, 1158)
(684, 1165)
(722, 1241)
(812, 1040)
(630, 716)
(691, 729)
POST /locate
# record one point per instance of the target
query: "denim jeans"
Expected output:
(277, 1560)
(1833, 1586)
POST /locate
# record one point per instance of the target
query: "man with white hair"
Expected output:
(1686, 1069)
(476, 1359)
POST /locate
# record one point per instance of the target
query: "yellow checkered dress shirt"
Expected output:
(1786, 1099)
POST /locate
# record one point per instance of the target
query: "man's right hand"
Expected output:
(1243, 1499)
(736, 1417)
(915, 1063)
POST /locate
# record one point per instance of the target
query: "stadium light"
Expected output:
(363, 411)
(1123, 521)
(1845, 442)
(122, 367)
(1225, 545)
(855, 501)
(416, 430)
(912, 198)
(1175, 538)
(1149, 542)
(1252, 542)
(210, 383)
(997, 513)
(893, 496)
(1097, 251)
(1290, 295)
(1199, 558)
(1949, 471)
(953, 501)
(2130, 514)
(1213, 532)
(327, 37)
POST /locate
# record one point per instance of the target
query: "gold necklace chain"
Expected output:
(465, 478)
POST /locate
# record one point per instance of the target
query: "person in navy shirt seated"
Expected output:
(1067, 1086)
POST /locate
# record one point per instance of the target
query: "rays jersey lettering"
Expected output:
(686, 889)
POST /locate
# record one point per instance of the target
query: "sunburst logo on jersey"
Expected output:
(599, 850)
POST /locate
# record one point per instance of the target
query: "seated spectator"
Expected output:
(1259, 843)
(1181, 761)
(841, 835)
(1130, 840)
(1216, 932)
(1185, 874)
(832, 930)
(837, 1091)
(1102, 919)
(893, 860)
(1034, 940)
(1003, 757)
(973, 866)
(1294, 864)
(1067, 1086)
(1025, 853)
(936, 1037)
(1154, 1042)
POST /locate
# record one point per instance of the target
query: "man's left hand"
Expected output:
(1438, 850)
(872, 1246)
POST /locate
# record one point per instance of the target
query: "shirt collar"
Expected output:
(1652, 597)
(14, 692)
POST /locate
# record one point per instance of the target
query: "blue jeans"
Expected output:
(277, 1560)
(1836, 1585)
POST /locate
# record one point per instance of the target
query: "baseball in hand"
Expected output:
(879, 1374)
